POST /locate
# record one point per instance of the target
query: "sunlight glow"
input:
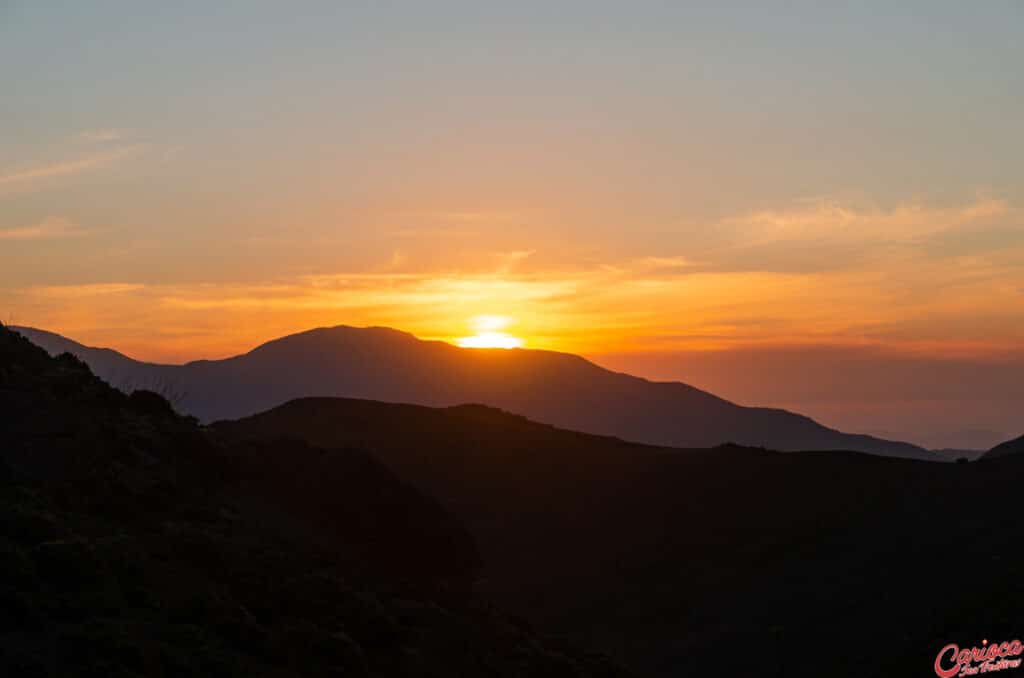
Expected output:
(489, 323)
(491, 340)
(488, 333)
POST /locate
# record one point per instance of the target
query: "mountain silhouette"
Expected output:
(134, 543)
(387, 365)
(350, 537)
(1015, 446)
(727, 561)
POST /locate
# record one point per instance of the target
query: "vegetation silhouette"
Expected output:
(1010, 447)
(134, 543)
(351, 537)
(662, 557)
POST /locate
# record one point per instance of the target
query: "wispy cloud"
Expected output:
(903, 296)
(84, 290)
(509, 260)
(830, 219)
(49, 229)
(25, 178)
(831, 235)
(101, 135)
(398, 260)
(476, 216)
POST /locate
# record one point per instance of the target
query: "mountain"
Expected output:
(555, 388)
(350, 537)
(1010, 447)
(973, 442)
(134, 543)
(725, 561)
(967, 439)
(956, 454)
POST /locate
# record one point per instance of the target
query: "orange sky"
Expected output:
(650, 183)
(847, 277)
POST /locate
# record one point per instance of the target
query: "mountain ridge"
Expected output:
(1010, 447)
(135, 543)
(561, 389)
(667, 554)
(653, 558)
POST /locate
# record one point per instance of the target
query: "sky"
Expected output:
(819, 208)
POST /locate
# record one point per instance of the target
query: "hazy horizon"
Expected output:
(816, 208)
(860, 406)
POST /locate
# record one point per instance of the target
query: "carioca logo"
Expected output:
(952, 661)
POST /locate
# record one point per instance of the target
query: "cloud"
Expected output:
(398, 260)
(818, 274)
(637, 305)
(101, 135)
(829, 235)
(485, 216)
(828, 219)
(664, 266)
(65, 292)
(52, 228)
(26, 178)
(509, 260)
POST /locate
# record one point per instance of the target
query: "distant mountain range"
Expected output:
(1010, 447)
(971, 442)
(387, 365)
(334, 536)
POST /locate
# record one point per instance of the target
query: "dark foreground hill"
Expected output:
(1015, 446)
(134, 544)
(706, 562)
(555, 388)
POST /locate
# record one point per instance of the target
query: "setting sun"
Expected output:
(729, 279)
(489, 333)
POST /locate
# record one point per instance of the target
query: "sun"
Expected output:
(489, 333)
(490, 340)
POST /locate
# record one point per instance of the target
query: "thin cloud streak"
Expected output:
(95, 161)
(101, 135)
(826, 234)
(52, 228)
(909, 296)
(636, 306)
(64, 292)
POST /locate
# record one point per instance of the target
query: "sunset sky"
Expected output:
(817, 208)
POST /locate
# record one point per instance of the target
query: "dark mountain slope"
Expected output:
(727, 561)
(554, 388)
(134, 544)
(1010, 447)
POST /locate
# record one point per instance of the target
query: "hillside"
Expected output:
(1010, 447)
(555, 388)
(664, 556)
(133, 544)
